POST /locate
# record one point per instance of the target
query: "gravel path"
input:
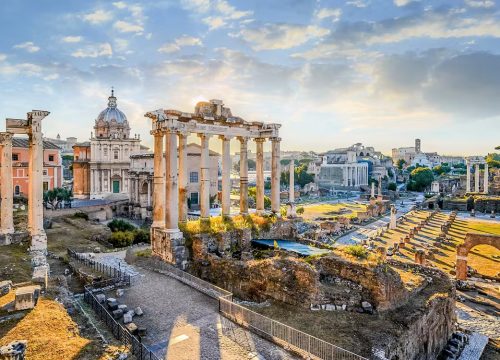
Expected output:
(183, 323)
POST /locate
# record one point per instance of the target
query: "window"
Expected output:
(45, 186)
(194, 198)
(45, 173)
(17, 190)
(193, 177)
(51, 157)
(115, 154)
(15, 157)
(105, 152)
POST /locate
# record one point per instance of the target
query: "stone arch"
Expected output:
(472, 240)
(143, 189)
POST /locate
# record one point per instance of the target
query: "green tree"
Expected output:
(252, 193)
(53, 198)
(493, 160)
(392, 186)
(422, 178)
(401, 163)
(301, 176)
(441, 169)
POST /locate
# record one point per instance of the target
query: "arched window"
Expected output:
(17, 190)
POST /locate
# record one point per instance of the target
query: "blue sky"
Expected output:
(333, 73)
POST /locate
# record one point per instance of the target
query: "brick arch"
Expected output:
(472, 240)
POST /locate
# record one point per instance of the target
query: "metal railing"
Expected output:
(137, 348)
(283, 335)
(114, 273)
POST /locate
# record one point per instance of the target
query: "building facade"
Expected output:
(52, 166)
(81, 170)
(141, 176)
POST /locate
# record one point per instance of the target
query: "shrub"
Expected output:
(120, 225)
(121, 238)
(81, 215)
(392, 186)
(357, 251)
(141, 236)
(300, 210)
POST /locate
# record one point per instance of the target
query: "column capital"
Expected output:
(259, 140)
(157, 132)
(275, 139)
(183, 133)
(225, 137)
(243, 139)
(204, 136)
(5, 137)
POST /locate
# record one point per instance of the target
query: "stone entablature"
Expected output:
(211, 119)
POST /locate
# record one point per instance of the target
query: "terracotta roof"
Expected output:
(85, 143)
(23, 143)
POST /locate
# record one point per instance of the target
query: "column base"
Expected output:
(6, 238)
(169, 245)
(290, 211)
(158, 224)
(39, 242)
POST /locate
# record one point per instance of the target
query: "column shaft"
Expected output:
(243, 175)
(226, 176)
(259, 167)
(149, 193)
(275, 175)
(36, 181)
(183, 179)
(205, 177)
(485, 180)
(291, 190)
(476, 178)
(467, 184)
(6, 184)
(159, 175)
(171, 185)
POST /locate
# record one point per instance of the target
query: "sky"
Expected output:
(333, 73)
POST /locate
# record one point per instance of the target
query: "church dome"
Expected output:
(112, 112)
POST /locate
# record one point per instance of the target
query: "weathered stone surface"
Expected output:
(101, 298)
(117, 314)
(5, 287)
(127, 318)
(27, 297)
(138, 311)
(132, 328)
(14, 350)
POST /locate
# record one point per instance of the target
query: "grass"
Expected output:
(357, 251)
(15, 263)
(329, 210)
(483, 258)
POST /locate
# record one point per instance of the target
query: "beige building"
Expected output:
(141, 176)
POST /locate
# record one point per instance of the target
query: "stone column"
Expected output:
(171, 184)
(205, 177)
(38, 236)
(291, 192)
(485, 180)
(149, 193)
(260, 175)
(243, 175)
(226, 176)
(275, 175)
(392, 222)
(476, 178)
(6, 184)
(467, 184)
(158, 179)
(183, 177)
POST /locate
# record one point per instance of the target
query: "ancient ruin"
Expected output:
(470, 241)
(209, 119)
(476, 161)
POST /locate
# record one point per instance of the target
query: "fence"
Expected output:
(281, 334)
(110, 271)
(140, 351)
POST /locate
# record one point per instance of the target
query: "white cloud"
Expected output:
(229, 11)
(98, 16)
(124, 26)
(281, 36)
(402, 2)
(51, 77)
(72, 39)
(199, 6)
(94, 51)
(214, 22)
(3, 57)
(29, 46)
(480, 3)
(26, 69)
(329, 13)
(219, 12)
(180, 42)
(121, 45)
(120, 5)
(357, 3)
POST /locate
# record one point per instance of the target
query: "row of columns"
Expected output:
(476, 178)
(355, 175)
(170, 177)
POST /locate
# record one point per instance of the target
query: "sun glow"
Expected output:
(197, 99)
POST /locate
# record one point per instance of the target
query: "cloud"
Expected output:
(179, 43)
(214, 22)
(357, 3)
(480, 3)
(325, 13)
(281, 36)
(98, 16)
(199, 6)
(120, 4)
(402, 2)
(126, 27)
(229, 11)
(220, 12)
(94, 51)
(72, 39)
(3, 57)
(29, 46)
(25, 69)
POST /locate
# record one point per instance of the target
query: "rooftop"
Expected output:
(23, 143)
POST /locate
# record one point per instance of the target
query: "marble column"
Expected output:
(476, 178)
(205, 177)
(171, 184)
(149, 193)
(6, 184)
(485, 180)
(243, 175)
(260, 175)
(291, 192)
(183, 177)
(226, 175)
(38, 236)
(158, 180)
(275, 175)
(467, 184)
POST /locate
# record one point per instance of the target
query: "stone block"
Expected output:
(117, 314)
(41, 275)
(101, 298)
(14, 350)
(127, 318)
(138, 311)
(329, 307)
(5, 287)
(119, 292)
(123, 308)
(367, 307)
(142, 331)
(27, 297)
(132, 328)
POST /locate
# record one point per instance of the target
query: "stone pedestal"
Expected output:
(169, 246)
(393, 222)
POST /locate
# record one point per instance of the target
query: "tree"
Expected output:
(401, 163)
(252, 193)
(53, 198)
(441, 169)
(422, 178)
(251, 165)
(301, 176)
(493, 160)
(392, 186)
